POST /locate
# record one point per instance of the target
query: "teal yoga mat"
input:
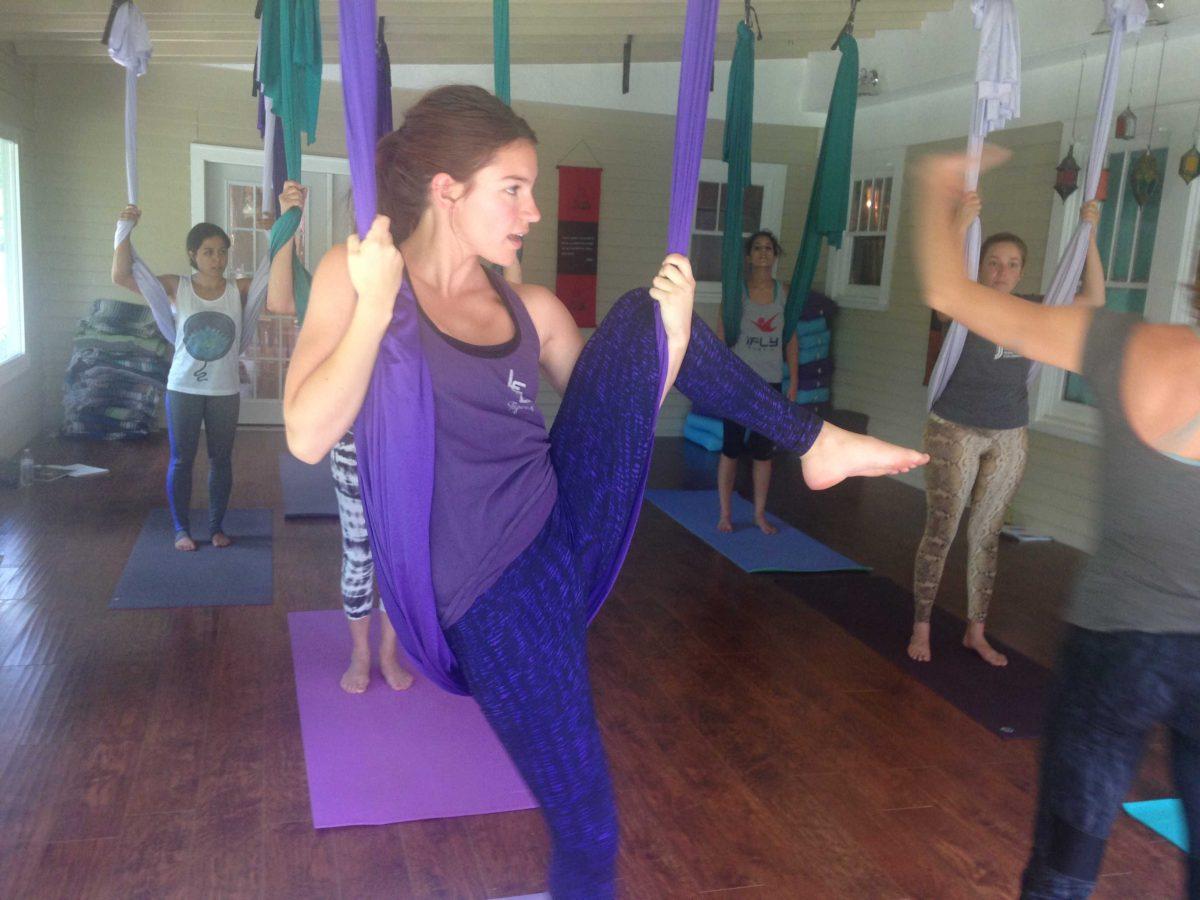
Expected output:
(789, 551)
(1163, 817)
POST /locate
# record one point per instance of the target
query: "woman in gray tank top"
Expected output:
(977, 440)
(1131, 658)
(759, 344)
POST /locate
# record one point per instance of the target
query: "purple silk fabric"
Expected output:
(395, 427)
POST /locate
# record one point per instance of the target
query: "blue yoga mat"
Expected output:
(1163, 817)
(749, 548)
(157, 575)
(308, 491)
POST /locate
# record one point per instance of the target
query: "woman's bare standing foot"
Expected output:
(725, 525)
(974, 640)
(221, 539)
(918, 644)
(358, 674)
(764, 526)
(183, 541)
(397, 677)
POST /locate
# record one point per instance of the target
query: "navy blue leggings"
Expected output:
(523, 644)
(1111, 689)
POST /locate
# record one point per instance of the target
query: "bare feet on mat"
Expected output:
(183, 541)
(725, 525)
(764, 526)
(221, 539)
(358, 675)
(974, 640)
(838, 454)
(918, 644)
(397, 677)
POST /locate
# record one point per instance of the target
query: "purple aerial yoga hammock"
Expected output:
(1123, 16)
(395, 427)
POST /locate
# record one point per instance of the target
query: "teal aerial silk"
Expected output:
(831, 186)
(739, 120)
(500, 59)
(290, 73)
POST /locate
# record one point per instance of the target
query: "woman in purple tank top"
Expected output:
(521, 518)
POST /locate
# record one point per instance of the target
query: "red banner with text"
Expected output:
(578, 241)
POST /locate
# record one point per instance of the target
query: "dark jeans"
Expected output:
(1112, 688)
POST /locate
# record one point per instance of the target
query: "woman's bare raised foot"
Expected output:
(838, 454)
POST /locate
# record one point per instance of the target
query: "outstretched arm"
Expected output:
(1091, 292)
(1051, 335)
(122, 264)
(353, 294)
(281, 298)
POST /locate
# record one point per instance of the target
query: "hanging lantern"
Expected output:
(1067, 180)
(1189, 165)
(1126, 125)
(1146, 178)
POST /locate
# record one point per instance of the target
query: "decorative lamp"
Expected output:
(1067, 180)
(1126, 125)
(1146, 178)
(1189, 165)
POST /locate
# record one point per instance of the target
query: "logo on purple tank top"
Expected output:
(522, 403)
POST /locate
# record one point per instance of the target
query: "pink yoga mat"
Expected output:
(385, 756)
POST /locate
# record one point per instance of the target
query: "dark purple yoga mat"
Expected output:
(385, 756)
(1008, 701)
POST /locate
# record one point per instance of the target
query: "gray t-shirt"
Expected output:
(1145, 575)
(988, 386)
(760, 343)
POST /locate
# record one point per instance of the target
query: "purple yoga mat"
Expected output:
(1009, 701)
(385, 756)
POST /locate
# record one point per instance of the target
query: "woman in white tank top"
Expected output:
(203, 384)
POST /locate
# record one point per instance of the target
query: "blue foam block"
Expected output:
(789, 551)
(1164, 817)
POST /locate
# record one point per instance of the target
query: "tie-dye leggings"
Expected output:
(358, 569)
(522, 645)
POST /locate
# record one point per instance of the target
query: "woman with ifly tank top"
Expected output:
(977, 439)
(518, 513)
(760, 346)
(203, 385)
(1131, 658)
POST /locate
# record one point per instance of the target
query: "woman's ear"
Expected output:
(444, 190)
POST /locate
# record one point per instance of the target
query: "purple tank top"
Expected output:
(493, 485)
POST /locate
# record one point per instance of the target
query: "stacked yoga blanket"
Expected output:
(815, 373)
(117, 373)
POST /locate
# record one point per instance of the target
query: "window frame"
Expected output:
(837, 271)
(1172, 267)
(772, 177)
(17, 363)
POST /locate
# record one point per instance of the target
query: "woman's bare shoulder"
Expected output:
(1161, 379)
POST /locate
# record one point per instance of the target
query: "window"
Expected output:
(866, 230)
(12, 324)
(762, 207)
(859, 273)
(1126, 240)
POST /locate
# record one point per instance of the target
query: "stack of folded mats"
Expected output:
(117, 373)
(815, 373)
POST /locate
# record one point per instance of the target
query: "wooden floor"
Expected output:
(758, 750)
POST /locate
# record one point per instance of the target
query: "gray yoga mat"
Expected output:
(157, 575)
(308, 491)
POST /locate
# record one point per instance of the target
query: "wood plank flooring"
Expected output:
(757, 749)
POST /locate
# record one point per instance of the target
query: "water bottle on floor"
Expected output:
(25, 478)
